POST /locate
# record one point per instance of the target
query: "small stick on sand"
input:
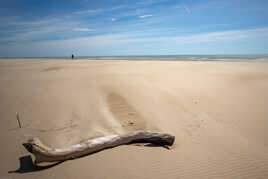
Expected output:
(18, 119)
(44, 153)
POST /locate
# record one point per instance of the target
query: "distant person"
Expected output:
(72, 56)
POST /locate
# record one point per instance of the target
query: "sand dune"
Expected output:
(217, 111)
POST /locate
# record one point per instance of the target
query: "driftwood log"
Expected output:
(44, 153)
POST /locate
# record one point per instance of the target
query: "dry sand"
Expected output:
(218, 112)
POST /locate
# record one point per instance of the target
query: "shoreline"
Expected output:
(229, 58)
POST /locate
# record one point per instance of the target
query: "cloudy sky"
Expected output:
(34, 28)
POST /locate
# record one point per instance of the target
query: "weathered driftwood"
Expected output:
(44, 153)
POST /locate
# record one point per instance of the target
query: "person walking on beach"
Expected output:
(72, 56)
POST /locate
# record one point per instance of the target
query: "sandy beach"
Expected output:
(218, 112)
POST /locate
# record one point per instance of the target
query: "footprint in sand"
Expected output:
(129, 118)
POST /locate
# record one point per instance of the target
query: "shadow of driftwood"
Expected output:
(27, 165)
(151, 145)
(157, 145)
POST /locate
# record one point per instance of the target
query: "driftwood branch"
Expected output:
(44, 153)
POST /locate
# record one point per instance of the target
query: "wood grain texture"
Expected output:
(44, 153)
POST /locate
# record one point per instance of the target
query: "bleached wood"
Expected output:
(44, 153)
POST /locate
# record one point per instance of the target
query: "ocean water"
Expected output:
(260, 58)
(184, 58)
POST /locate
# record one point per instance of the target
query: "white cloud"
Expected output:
(90, 11)
(100, 10)
(35, 23)
(39, 30)
(82, 29)
(210, 37)
(140, 36)
(113, 19)
(145, 16)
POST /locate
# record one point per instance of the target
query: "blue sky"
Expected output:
(32, 28)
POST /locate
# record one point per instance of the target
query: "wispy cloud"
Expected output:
(108, 25)
(90, 11)
(151, 2)
(100, 10)
(220, 36)
(82, 29)
(34, 23)
(111, 43)
(187, 10)
(145, 16)
(22, 31)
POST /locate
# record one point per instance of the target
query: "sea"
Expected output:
(231, 58)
